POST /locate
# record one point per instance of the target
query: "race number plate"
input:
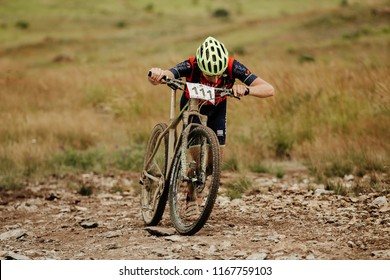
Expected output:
(200, 91)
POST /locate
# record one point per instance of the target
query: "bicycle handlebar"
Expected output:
(179, 84)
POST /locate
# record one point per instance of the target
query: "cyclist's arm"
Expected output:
(156, 74)
(257, 86)
(260, 88)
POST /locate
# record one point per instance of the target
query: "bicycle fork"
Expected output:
(196, 155)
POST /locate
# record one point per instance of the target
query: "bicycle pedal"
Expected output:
(194, 180)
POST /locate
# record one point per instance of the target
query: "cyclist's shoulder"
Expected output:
(238, 68)
(192, 61)
(236, 64)
(189, 64)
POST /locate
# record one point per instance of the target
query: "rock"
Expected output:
(346, 209)
(276, 237)
(257, 256)
(237, 202)
(112, 246)
(28, 206)
(310, 257)
(13, 234)
(331, 220)
(384, 209)
(319, 192)
(65, 210)
(89, 224)
(160, 252)
(380, 201)
(240, 254)
(160, 231)
(381, 254)
(289, 257)
(113, 234)
(354, 199)
(81, 209)
(52, 197)
(225, 245)
(223, 200)
(15, 256)
(385, 222)
(349, 177)
(174, 238)
(211, 250)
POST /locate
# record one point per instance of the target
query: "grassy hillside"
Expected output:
(74, 95)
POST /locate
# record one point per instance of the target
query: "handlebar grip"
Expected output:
(246, 91)
(164, 78)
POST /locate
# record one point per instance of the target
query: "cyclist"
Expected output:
(213, 67)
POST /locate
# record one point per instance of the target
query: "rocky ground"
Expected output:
(98, 217)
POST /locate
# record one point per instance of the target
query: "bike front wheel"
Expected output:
(154, 192)
(194, 187)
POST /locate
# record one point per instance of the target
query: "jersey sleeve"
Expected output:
(242, 73)
(183, 69)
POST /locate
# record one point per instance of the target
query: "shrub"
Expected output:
(85, 191)
(336, 187)
(231, 164)
(237, 188)
(130, 158)
(21, 24)
(221, 13)
(79, 160)
(306, 58)
(259, 168)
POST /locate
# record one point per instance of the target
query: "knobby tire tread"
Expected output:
(213, 192)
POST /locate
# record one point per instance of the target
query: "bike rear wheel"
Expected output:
(154, 192)
(192, 196)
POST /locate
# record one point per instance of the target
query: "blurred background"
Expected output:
(74, 95)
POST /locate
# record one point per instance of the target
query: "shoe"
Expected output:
(192, 208)
(192, 170)
(192, 211)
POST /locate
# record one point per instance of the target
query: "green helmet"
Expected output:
(212, 57)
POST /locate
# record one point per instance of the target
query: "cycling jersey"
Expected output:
(189, 69)
(216, 113)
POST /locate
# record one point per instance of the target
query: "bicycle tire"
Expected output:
(207, 189)
(154, 194)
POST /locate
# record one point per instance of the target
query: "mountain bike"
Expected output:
(182, 162)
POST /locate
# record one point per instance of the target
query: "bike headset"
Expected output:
(212, 57)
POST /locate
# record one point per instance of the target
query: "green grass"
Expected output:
(238, 187)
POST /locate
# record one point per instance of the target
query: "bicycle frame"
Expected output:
(184, 167)
(190, 109)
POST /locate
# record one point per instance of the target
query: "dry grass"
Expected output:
(83, 96)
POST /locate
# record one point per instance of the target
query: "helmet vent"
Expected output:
(212, 57)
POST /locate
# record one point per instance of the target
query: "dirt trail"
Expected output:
(289, 218)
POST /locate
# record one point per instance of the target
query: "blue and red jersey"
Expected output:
(235, 70)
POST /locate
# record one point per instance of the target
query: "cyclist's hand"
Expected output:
(155, 75)
(240, 90)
